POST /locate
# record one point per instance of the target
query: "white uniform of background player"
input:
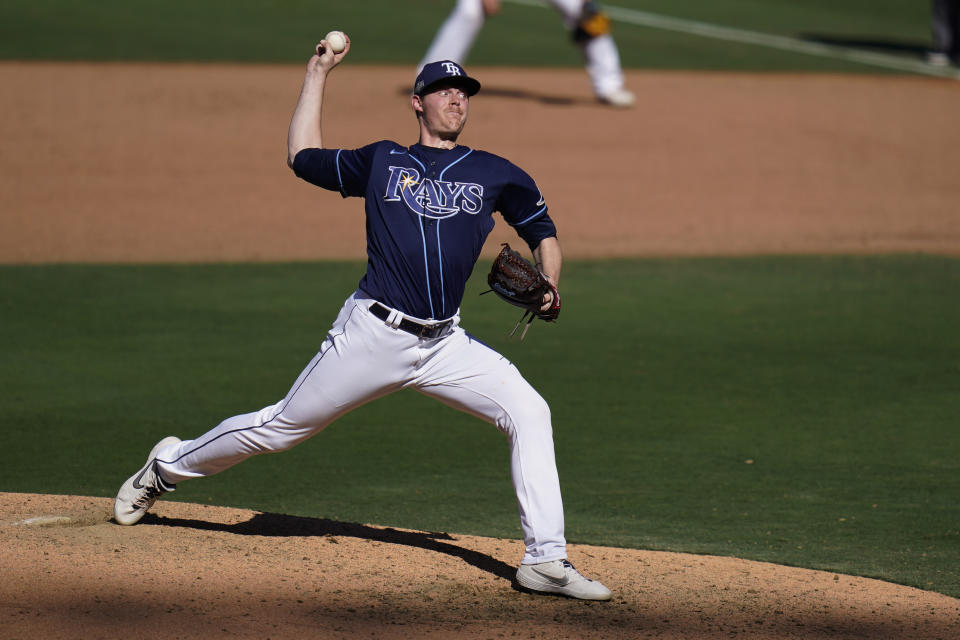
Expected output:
(456, 36)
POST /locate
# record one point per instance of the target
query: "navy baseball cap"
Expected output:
(444, 71)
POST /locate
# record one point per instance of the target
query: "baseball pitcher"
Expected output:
(429, 207)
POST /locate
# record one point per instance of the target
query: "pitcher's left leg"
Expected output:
(470, 376)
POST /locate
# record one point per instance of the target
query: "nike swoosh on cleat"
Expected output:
(557, 581)
(136, 481)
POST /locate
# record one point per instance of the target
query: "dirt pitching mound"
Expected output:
(194, 571)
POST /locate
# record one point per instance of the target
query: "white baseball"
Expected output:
(336, 40)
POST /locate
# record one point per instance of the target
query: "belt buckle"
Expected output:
(431, 331)
(427, 331)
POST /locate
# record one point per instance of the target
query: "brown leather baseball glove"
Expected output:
(521, 284)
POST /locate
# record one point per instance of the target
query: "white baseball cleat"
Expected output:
(560, 577)
(621, 98)
(938, 59)
(143, 488)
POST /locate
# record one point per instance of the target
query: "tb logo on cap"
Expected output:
(444, 71)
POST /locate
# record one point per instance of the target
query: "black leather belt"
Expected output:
(430, 331)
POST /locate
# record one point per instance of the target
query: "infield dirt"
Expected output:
(159, 163)
(154, 163)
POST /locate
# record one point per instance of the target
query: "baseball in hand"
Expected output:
(336, 41)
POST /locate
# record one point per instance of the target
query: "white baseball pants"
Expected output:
(459, 31)
(364, 358)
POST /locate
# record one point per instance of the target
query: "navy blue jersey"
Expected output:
(428, 213)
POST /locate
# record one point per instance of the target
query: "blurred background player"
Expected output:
(589, 27)
(945, 18)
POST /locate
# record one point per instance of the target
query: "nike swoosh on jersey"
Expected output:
(394, 152)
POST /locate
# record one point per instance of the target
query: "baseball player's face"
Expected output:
(445, 111)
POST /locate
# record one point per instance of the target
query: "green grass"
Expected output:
(864, 18)
(398, 32)
(799, 410)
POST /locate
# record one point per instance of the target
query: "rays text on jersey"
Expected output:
(432, 198)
